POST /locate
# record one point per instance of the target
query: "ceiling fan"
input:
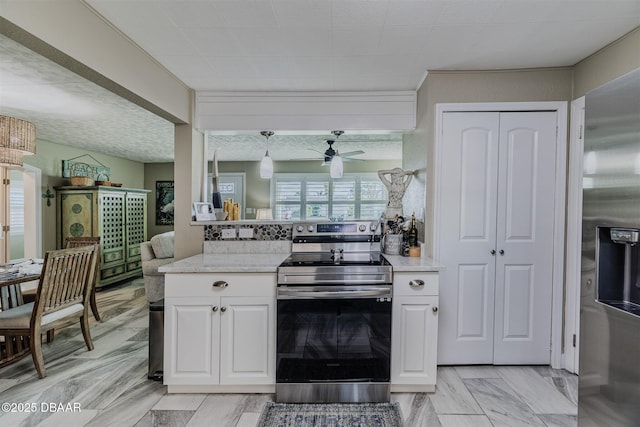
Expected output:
(330, 152)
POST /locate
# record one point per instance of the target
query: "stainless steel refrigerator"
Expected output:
(609, 382)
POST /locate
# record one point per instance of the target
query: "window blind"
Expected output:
(319, 197)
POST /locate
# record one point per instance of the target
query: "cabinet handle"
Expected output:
(501, 252)
(215, 308)
(223, 309)
(417, 283)
(220, 284)
(493, 252)
(435, 309)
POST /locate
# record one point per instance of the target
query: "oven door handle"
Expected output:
(288, 293)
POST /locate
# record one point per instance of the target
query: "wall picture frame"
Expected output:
(203, 211)
(164, 203)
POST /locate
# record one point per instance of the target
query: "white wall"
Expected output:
(617, 59)
(553, 84)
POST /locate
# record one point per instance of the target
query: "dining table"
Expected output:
(12, 276)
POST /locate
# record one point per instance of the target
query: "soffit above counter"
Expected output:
(306, 111)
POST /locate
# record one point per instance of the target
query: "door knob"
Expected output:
(493, 252)
(501, 252)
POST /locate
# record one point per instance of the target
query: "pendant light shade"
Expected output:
(266, 164)
(10, 157)
(18, 135)
(337, 168)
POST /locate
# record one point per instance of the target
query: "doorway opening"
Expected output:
(20, 219)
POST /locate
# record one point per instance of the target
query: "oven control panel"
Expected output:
(337, 228)
(329, 231)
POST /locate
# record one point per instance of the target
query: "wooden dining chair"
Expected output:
(62, 297)
(74, 242)
(12, 347)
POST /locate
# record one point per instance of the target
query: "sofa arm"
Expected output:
(150, 268)
(146, 252)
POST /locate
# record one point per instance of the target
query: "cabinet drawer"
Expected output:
(402, 284)
(105, 273)
(202, 284)
(133, 251)
(112, 255)
(134, 265)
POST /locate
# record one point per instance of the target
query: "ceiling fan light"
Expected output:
(337, 168)
(266, 166)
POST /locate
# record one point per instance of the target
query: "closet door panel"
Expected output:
(476, 185)
(467, 237)
(520, 181)
(525, 238)
(473, 301)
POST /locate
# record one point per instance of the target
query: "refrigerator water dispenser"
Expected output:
(618, 268)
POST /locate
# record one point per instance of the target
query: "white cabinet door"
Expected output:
(414, 340)
(193, 332)
(247, 346)
(496, 237)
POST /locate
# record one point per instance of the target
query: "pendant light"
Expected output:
(9, 157)
(17, 139)
(266, 164)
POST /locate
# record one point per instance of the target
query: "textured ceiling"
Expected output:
(304, 45)
(68, 109)
(342, 45)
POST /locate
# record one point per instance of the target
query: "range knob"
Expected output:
(310, 228)
(373, 226)
(362, 227)
(299, 229)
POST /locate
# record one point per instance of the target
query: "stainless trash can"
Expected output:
(156, 340)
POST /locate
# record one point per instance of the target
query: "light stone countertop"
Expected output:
(227, 263)
(403, 263)
(269, 262)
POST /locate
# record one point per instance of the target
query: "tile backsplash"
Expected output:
(260, 231)
(263, 231)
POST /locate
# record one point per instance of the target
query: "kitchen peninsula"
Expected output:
(220, 319)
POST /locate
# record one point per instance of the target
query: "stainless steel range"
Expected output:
(334, 315)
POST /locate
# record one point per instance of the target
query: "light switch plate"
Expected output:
(228, 233)
(245, 233)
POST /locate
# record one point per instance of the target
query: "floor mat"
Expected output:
(330, 415)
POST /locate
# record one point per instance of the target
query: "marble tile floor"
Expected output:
(109, 385)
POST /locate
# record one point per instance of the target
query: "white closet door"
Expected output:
(468, 189)
(496, 237)
(525, 238)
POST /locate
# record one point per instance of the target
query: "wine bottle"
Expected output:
(413, 232)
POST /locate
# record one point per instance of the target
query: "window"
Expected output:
(16, 206)
(319, 197)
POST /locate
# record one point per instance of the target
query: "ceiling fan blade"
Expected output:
(351, 159)
(352, 153)
(319, 152)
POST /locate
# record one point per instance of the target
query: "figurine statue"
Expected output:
(396, 184)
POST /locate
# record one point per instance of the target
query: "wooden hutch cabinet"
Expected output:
(117, 215)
